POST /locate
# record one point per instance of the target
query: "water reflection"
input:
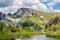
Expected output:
(37, 37)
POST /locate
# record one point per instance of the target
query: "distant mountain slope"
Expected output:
(24, 12)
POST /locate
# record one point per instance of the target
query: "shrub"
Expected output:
(27, 24)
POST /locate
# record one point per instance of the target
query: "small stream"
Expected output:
(38, 37)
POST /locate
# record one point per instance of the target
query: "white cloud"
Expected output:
(34, 7)
(0, 9)
(56, 1)
(25, 2)
(53, 2)
(50, 8)
(40, 7)
(32, 1)
(44, 0)
(56, 11)
(35, 4)
(18, 2)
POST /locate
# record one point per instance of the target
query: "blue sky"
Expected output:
(42, 5)
(57, 6)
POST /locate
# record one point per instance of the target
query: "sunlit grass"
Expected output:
(53, 31)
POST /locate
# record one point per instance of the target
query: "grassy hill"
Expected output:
(28, 25)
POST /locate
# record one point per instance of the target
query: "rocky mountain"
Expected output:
(3, 19)
(12, 19)
(22, 12)
(0, 16)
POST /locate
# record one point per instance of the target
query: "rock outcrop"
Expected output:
(53, 21)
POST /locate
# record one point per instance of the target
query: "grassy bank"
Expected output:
(53, 34)
(19, 34)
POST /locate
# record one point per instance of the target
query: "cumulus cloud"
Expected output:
(36, 4)
(13, 5)
(34, 7)
(57, 1)
(54, 11)
(42, 7)
(25, 2)
(44, 0)
(53, 2)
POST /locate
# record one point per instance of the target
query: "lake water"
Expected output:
(37, 37)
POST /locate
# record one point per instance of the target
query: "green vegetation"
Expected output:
(30, 25)
(26, 28)
(53, 31)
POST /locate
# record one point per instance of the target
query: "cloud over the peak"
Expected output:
(42, 5)
(36, 4)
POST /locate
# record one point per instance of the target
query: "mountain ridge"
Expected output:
(21, 13)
